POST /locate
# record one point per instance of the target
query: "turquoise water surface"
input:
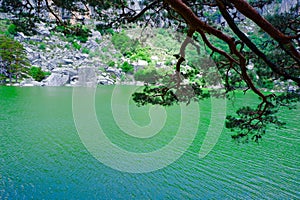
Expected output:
(43, 157)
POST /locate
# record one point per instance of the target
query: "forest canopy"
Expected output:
(241, 37)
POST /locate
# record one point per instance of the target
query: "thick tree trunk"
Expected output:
(251, 45)
(195, 23)
(285, 41)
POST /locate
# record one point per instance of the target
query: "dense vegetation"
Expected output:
(37, 73)
(13, 59)
(250, 49)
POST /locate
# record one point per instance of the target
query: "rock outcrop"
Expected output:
(56, 79)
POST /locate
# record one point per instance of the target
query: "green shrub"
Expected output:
(83, 39)
(47, 73)
(25, 26)
(76, 45)
(127, 68)
(59, 46)
(142, 54)
(42, 46)
(149, 75)
(67, 46)
(85, 50)
(78, 32)
(103, 30)
(61, 29)
(98, 40)
(168, 62)
(113, 76)
(110, 31)
(123, 77)
(12, 29)
(32, 42)
(37, 74)
(104, 49)
(111, 63)
(124, 43)
(70, 38)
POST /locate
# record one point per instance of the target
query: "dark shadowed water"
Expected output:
(42, 156)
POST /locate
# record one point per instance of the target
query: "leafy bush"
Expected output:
(168, 62)
(124, 43)
(142, 54)
(78, 32)
(37, 74)
(127, 68)
(67, 46)
(83, 39)
(81, 32)
(98, 40)
(42, 46)
(25, 25)
(61, 29)
(149, 75)
(70, 39)
(111, 63)
(32, 42)
(104, 49)
(104, 30)
(12, 29)
(113, 76)
(85, 50)
(76, 45)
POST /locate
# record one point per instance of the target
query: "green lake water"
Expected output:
(42, 155)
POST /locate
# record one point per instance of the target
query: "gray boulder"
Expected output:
(43, 31)
(32, 56)
(37, 62)
(105, 81)
(81, 56)
(67, 61)
(29, 83)
(96, 34)
(87, 77)
(57, 80)
(21, 37)
(65, 71)
(116, 71)
(142, 63)
(28, 50)
(36, 38)
(51, 64)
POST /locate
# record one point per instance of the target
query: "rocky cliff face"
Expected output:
(286, 5)
(279, 7)
(53, 53)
